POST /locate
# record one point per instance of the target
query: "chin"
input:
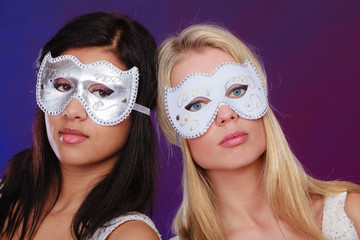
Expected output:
(75, 161)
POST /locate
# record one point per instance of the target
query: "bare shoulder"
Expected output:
(352, 209)
(133, 230)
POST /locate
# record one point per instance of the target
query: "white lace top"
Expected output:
(104, 232)
(336, 225)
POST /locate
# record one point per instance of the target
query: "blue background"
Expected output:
(310, 50)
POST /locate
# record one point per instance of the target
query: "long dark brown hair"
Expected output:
(33, 175)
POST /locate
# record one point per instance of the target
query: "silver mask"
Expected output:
(107, 93)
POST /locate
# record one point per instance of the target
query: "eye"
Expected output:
(197, 104)
(62, 85)
(100, 90)
(236, 91)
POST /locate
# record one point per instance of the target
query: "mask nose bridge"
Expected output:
(221, 103)
(78, 93)
(219, 97)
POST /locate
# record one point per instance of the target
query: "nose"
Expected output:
(224, 115)
(74, 110)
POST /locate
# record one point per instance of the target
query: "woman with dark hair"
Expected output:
(91, 171)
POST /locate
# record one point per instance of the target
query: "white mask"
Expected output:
(193, 104)
(107, 93)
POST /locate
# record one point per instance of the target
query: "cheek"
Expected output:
(116, 136)
(259, 129)
(204, 149)
(50, 122)
(198, 152)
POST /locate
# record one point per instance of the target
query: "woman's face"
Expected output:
(74, 137)
(231, 142)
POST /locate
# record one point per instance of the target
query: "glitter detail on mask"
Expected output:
(214, 87)
(108, 110)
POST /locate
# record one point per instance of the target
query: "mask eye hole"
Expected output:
(236, 91)
(100, 90)
(197, 104)
(62, 84)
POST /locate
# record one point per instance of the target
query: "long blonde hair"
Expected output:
(287, 185)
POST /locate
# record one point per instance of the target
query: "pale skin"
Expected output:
(235, 172)
(85, 164)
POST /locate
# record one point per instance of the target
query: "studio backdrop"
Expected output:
(310, 50)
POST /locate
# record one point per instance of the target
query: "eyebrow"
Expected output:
(236, 79)
(185, 98)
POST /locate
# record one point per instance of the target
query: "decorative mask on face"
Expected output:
(107, 93)
(193, 104)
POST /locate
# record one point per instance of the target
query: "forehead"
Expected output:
(204, 60)
(88, 55)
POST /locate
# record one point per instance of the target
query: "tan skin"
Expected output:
(235, 172)
(84, 164)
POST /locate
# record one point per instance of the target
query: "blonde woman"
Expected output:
(240, 180)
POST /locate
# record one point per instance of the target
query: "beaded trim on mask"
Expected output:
(133, 71)
(244, 115)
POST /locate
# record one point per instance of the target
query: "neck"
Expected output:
(77, 182)
(240, 193)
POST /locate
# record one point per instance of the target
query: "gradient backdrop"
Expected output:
(310, 50)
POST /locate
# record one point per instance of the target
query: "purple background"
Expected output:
(310, 50)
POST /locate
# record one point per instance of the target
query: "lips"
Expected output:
(234, 138)
(71, 135)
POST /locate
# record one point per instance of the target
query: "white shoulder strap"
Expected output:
(336, 224)
(175, 238)
(104, 232)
